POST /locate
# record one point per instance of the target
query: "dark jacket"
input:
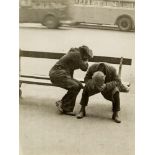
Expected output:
(112, 80)
(68, 63)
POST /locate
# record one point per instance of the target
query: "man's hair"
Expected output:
(102, 68)
(98, 78)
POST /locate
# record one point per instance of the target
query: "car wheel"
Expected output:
(51, 22)
(124, 24)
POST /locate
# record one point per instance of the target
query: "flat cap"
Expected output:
(86, 51)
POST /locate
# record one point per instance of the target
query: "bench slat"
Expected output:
(46, 82)
(52, 55)
(36, 77)
(35, 81)
(41, 77)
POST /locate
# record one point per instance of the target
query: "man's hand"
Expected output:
(83, 65)
(86, 63)
(102, 88)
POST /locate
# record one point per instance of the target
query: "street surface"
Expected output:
(43, 131)
(102, 42)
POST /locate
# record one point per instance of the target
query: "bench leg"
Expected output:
(20, 91)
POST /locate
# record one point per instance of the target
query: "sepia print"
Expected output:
(77, 79)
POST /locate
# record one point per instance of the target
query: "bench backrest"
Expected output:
(51, 55)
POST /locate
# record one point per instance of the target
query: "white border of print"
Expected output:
(145, 88)
(9, 53)
(145, 62)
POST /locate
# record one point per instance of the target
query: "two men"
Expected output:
(61, 75)
(100, 78)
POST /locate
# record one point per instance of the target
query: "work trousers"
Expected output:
(59, 78)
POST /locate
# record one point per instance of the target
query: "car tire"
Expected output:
(125, 24)
(51, 22)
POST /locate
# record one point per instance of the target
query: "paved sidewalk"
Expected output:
(45, 132)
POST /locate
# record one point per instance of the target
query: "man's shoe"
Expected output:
(61, 111)
(115, 117)
(69, 113)
(59, 106)
(81, 114)
(124, 88)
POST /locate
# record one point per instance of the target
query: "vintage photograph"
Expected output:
(77, 77)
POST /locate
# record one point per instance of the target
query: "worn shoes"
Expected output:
(124, 88)
(115, 117)
(69, 113)
(61, 111)
(59, 106)
(81, 114)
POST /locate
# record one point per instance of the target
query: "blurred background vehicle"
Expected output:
(120, 13)
(47, 12)
(51, 13)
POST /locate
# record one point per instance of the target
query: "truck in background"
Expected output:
(50, 13)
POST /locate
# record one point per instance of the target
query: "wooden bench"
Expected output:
(45, 80)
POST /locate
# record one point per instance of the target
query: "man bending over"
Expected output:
(102, 78)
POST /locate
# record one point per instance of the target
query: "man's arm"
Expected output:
(89, 75)
(83, 65)
(76, 57)
(73, 58)
(115, 81)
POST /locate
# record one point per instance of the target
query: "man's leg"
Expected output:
(116, 107)
(67, 103)
(84, 103)
(89, 90)
(114, 97)
(62, 79)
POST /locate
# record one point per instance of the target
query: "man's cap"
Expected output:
(87, 51)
